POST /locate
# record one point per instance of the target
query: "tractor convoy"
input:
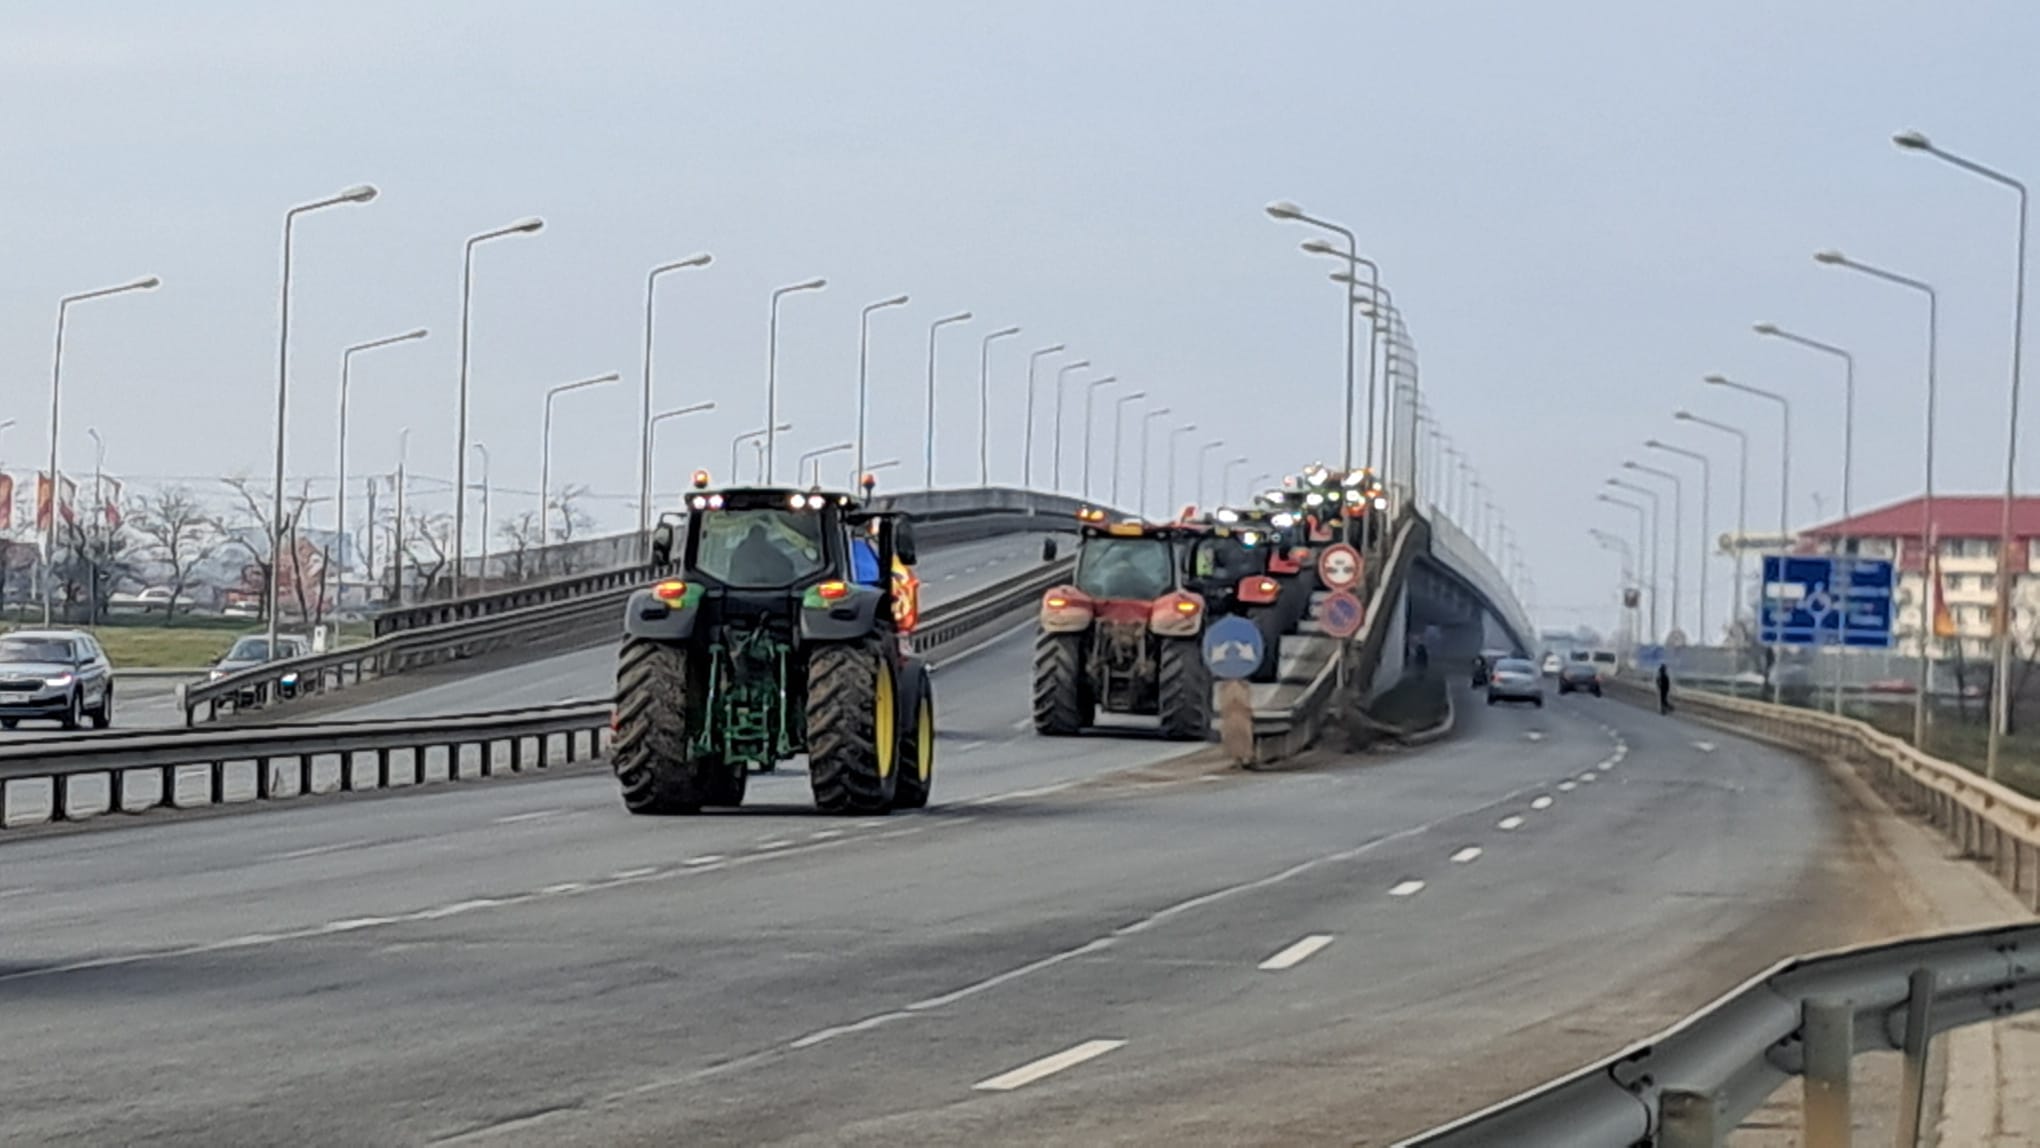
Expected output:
(784, 628)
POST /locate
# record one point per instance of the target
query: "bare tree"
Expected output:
(568, 521)
(249, 527)
(176, 531)
(525, 536)
(434, 533)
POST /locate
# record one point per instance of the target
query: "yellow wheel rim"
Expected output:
(883, 721)
(924, 740)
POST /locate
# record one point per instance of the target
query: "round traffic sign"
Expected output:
(1233, 648)
(1338, 567)
(1341, 614)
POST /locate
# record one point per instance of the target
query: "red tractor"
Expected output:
(1249, 563)
(1125, 636)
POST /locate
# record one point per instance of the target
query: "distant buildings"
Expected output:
(1966, 529)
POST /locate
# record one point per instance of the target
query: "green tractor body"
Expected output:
(777, 638)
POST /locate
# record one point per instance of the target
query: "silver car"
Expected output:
(1515, 680)
(54, 674)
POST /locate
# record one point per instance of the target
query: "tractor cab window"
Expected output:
(1219, 560)
(1126, 568)
(760, 549)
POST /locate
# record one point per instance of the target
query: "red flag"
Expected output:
(112, 505)
(42, 501)
(6, 502)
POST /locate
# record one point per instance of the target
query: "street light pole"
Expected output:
(360, 194)
(1652, 578)
(772, 370)
(2000, 677)
(340, 485)
(56, 487)
(526, 226)
(1203, 457)
(750, 436)
(1742, 498)
(1657, 566)
(1706, 519)
(1225, 478)
(482, 563)
(1090, 409)
(985, 402)
(545, 450)
(1283, 209)
(98, 512)
(1929, 560)
(928, 445)
(1678, 527)
(1784, 448)
(1169, 488)
(1848, 392)
(645, 408)
(1118, 422)
(1146, 423)
(813, 460)
(863, 354)
(1027, 434)
(677, 412)
(1062, 377)
(401, 482)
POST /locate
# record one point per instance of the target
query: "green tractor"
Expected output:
(781, 635)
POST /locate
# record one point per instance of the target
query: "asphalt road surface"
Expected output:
(1104, 940)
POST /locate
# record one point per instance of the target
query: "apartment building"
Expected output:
(1966, 529)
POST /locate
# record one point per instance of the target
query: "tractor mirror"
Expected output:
(662, 544)
(1048, 550)
(903, 543)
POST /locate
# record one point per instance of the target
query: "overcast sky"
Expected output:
(1580, 207)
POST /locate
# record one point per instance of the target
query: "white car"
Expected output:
(1551, 665)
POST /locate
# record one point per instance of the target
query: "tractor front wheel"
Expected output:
(654, 707)
(852, 728)
(1184, 691)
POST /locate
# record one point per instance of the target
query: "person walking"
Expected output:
(1664, 689)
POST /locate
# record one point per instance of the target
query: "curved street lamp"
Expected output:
(527, 226)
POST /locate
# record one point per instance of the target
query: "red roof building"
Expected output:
(1966, 528)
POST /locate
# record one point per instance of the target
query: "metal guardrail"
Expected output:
(1690, 1085)
(515, 740)
(430, 633)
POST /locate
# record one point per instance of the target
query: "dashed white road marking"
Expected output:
(1471, 852)
(825, 834)
(1533, 735)
(1509, 823)
(1047, 1066)
(1542, 803)
(1568, 786)
(704, 859)
(535, 815)
(776, 843)
(1407, 889)
(563, 887)
(1588, 776)
(632, 874)
(1295, 954)
(1704, 746)
(353, 923)
(317, 850)
(23, 891)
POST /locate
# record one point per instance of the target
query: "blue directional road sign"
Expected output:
(1232, 648)
(1826, 600)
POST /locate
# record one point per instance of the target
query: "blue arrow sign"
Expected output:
(1233, 648)
(1823, 600)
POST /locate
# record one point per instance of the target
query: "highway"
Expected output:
(1104, 940)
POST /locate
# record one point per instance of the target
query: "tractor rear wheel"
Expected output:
(1059, 693)
(852, 728)
(1184, 691)
(650, 752)
(917, 745)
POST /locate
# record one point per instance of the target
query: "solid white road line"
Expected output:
(1509, 823)
(1295, 954)
(318, 850)
(1047, 1066)
(1407, 889)
(1541, 803)
(532, 816)
(1467, 854)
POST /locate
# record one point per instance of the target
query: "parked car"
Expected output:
(252, 650)
(1515, 680)
(59, 675)
(1579, 676)
(149, 601)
